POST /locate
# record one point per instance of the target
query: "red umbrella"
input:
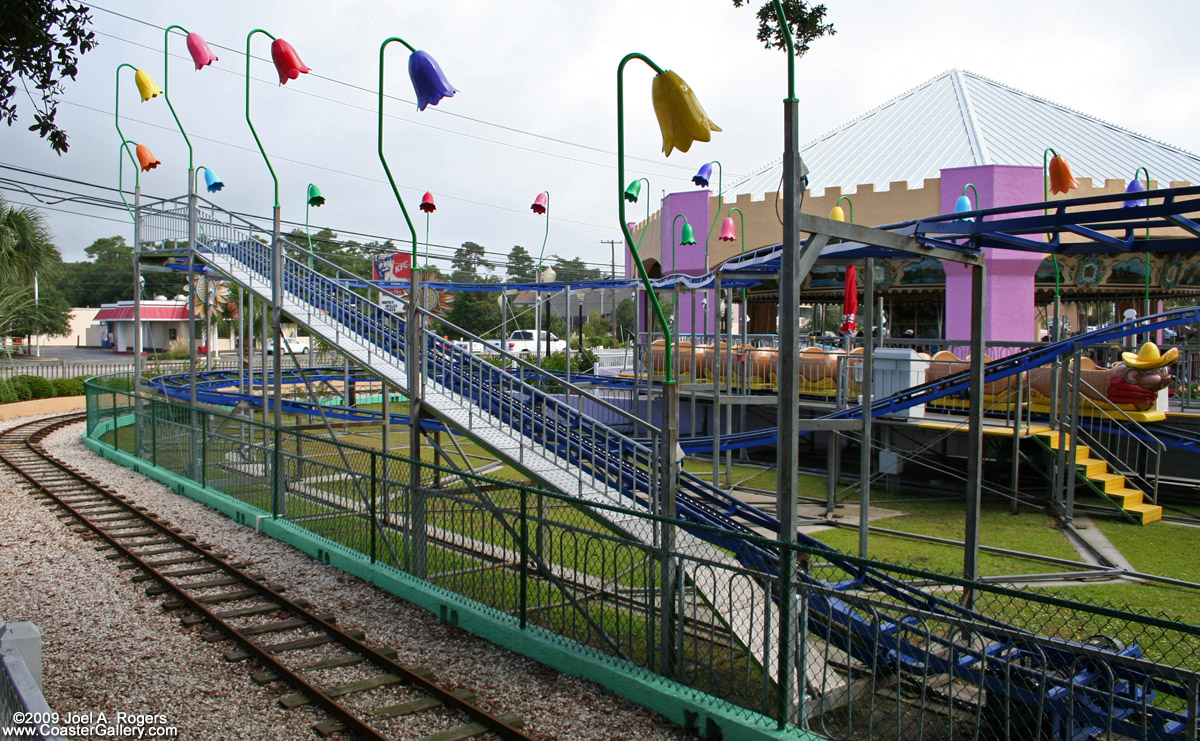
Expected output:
(850, 301)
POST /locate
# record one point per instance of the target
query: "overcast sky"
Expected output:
(537, 107)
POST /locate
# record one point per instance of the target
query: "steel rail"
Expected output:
(9, 446)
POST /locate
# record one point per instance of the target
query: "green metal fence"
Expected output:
(1037, 666)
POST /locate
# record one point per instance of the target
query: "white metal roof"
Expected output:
(959, 119)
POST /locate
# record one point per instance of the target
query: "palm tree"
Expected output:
(26, 249)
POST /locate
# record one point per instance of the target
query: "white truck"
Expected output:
(525, 342)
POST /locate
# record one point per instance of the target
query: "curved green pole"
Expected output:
(847, 199)
(669, 363)
(250, 123)
(124, 141)
(167, 89)
(427, 266)
(545, 238)
(716, 212)
(742, 236)
(307, 233)
(387, 170)
(791, 51)
(1147, 253)
(117, 101)
(137, 174)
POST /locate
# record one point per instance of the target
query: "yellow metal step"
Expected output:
(1146, 513)
(1127, 498)
(1111, 482)
(1094, 469)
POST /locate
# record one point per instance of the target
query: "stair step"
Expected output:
(1127, 498)
(1146, 513)
(1110, 482)
(1094, 469)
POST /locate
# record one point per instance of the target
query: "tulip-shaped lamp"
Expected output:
(428, 206)
(1136, 186)
(146, 158)
(1056, 174)
(728, 230)
(429, 82)
(202, 55)
(146, 85)
(212, 181)
(964, 204)
(314, 198)
(143, 160)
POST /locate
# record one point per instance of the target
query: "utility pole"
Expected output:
(612, 244)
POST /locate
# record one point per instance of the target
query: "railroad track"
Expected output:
(290, 642)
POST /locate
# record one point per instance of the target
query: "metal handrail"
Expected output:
(380, 331)
(1142, 439)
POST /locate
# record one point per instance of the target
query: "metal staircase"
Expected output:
(1094, 472)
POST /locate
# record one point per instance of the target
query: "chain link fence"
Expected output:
(812, 638)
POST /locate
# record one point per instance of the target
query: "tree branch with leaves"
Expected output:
(40, 45)
(807, 24)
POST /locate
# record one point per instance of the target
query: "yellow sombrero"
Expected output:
(1149, 357)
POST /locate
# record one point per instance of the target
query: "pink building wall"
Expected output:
(1010, 314)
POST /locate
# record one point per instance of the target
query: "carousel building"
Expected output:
(915, 156)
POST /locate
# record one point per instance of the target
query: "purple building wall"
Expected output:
(1010, 315)
(686, 259)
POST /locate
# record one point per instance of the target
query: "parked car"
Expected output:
(293, 345)
(523, 342)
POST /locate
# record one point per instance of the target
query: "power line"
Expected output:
(98, 202)
(438, 111)
(334, 170)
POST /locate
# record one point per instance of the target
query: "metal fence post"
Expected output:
(524, 586)
(203, 460)
(374, 490)
(153, 433)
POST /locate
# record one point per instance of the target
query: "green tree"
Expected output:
(469, 260)
(42, 40)
(575, 270)
(626, 318)
(520, 267)
(26, 251)
(108, 276)
(806, 23)
(48, 314)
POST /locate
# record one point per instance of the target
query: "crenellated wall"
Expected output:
(764, 213)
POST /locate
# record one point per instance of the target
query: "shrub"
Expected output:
(39, 388)
(68, 386)
(7, 394)
(20, 387)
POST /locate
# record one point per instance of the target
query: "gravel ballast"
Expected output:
(109, 648)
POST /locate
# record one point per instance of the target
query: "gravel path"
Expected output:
(109, 648)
